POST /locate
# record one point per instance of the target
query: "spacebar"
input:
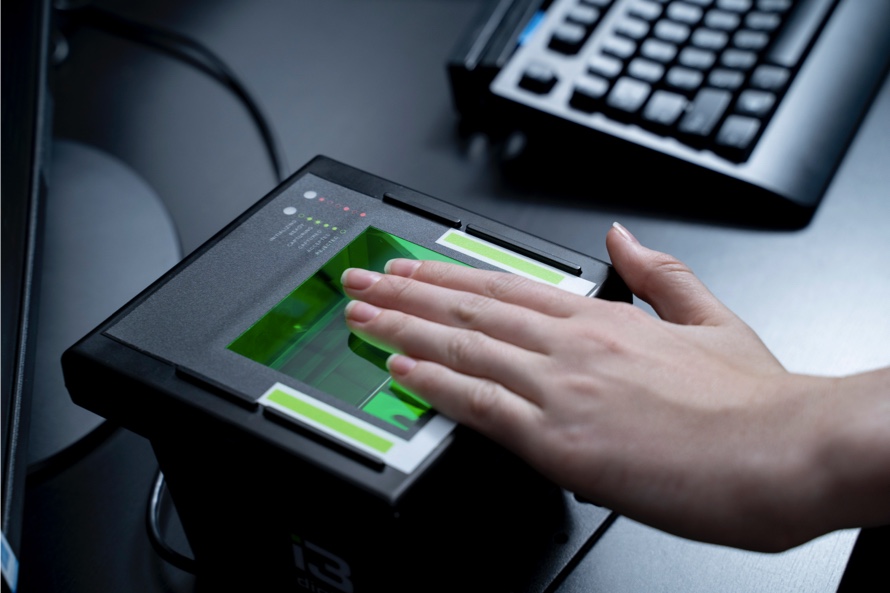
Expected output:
(801, 26)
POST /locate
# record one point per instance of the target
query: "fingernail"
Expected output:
(358, 279)
(361, 312)
(624, 232)
(401, 267)
(399, 364)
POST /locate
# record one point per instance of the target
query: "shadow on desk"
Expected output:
(867, 570)
(613, 178)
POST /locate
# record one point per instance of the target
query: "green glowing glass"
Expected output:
(305, 335)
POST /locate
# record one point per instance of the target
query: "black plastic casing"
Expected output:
(269, 503)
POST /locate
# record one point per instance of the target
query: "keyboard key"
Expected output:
(659, 51)
(752, 40)
(620, 47)
(628, 95)
(694, 57)
(671, 31)
(710, 39)
(722, 78)
(722, 20)
(605, 66)
(538, 78)
(633, 28)
(583, 15)
(684, 79)
(756, 103)
(770, 78)
(646, 70)
(738, 132)
(664, 108)
(568, 38)
(589, 92)
(735, 5)
(763, 21)
(645, 9)
(705, 112)
(738, 59)
(684, 13)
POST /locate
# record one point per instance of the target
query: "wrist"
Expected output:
(792, 486)
(855, 451)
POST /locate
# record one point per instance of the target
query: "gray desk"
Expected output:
(364, 82)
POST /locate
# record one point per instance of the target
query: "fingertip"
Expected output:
(400, 365)
(624, 250)
(358, 279)
(360, 312)
(401, 267)
(625, 234)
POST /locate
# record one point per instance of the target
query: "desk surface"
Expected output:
(364, 82)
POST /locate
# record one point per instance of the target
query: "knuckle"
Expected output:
(667, 265)
(463, 347)
(666, 262)
(482, 400)
(499, 285)
(470, 307)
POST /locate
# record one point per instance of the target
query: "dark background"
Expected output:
(363, 81)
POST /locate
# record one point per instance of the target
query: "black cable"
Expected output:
(153, 525)
(190, 51)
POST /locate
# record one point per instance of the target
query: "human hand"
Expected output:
(686, 422)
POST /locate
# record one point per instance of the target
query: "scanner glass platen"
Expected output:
(305, 335)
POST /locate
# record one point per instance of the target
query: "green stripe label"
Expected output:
(504, 257)
(304, 409)
(515, 263)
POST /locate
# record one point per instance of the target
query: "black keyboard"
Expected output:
(708, 72)
(740, 98)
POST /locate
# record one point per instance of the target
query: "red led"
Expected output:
(346, 208)
(362, 214)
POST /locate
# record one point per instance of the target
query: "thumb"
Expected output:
(664, 282)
